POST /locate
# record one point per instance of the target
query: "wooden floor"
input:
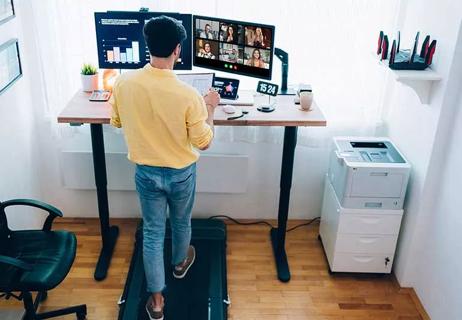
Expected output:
(255, 293)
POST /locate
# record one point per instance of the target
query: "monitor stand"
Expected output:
(284, 57)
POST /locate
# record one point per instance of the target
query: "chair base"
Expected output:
(32, 306)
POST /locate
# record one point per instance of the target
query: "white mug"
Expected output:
(306, 100)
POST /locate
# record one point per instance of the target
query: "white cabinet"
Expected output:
(358, 240)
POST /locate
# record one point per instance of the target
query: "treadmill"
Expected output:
(201, 295)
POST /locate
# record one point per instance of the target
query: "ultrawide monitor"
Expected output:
(233, 46)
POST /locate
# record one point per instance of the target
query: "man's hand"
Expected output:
(212, 99)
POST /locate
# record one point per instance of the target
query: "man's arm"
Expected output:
(212, 99)
(115, 117)
(200, 120)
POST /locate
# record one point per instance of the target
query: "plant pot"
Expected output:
(89, 82)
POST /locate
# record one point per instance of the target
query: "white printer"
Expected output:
(368, 173)
(362, 206)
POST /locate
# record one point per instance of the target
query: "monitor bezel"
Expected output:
(245, 23)
(107, 65)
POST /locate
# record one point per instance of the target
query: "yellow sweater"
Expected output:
(163, 118)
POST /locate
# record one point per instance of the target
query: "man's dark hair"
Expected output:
(162, 35)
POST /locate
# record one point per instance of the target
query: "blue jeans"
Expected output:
(159, 187)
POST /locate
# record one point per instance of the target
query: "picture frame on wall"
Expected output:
(6, 10)
(10, 64)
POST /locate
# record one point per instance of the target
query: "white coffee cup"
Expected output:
(306, 100)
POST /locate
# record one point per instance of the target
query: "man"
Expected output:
(207, 33)
(163, 120)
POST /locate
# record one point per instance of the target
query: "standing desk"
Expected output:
(288, 115)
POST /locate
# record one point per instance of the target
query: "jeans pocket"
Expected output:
(183, 188)
(184, 180)
(143, 184)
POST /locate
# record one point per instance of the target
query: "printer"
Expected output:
(368, 173)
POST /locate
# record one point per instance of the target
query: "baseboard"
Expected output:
(413, 295)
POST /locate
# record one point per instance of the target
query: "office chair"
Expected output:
(35, 261)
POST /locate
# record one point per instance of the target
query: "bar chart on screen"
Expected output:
(122, 50)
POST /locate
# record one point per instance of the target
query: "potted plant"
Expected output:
(89, 76)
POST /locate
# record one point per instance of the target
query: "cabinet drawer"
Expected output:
(369, 224)
(359, 243)
(350, 262)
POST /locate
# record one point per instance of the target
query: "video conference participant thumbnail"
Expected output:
(258, 37)
(255, 57)
(207, 29)
(231, 33)
(231, 53)
(206, 49)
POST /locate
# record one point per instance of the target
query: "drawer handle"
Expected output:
(373, 204)
(368, 240)
(363, 259)
(379, 174)
(370, 220)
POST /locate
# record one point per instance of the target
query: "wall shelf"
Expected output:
(421, 81)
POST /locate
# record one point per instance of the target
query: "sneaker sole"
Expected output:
(187, 269)
(149, 315)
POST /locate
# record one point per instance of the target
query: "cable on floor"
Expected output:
(261, 222)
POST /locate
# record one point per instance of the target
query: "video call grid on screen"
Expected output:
(233, 46)
(121, 44)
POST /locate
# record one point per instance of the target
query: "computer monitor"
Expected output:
(121, 45)
(233, 46)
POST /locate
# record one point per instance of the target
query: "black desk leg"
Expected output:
(278, 235)
(109, 233)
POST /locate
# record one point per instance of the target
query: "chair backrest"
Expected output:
(4, 230)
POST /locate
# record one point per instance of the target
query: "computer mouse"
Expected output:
(229, 108)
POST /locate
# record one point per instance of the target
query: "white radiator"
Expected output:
(216, 173)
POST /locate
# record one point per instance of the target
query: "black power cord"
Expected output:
(262, 222)
(240, 222)
(303, 224)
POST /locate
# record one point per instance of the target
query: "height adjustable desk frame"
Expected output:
(288, 115)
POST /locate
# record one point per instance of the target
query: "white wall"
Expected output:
(429, 235)
(413, 125)
(18, 152)
(438, 238)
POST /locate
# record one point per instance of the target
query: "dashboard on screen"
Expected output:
(233, 46)
(121, 44)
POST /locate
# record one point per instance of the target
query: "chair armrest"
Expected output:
(15, 263)
(53, 212)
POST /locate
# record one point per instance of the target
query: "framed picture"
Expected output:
(10, 64)
(6, 10)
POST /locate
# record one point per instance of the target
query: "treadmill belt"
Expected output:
(200, 295)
